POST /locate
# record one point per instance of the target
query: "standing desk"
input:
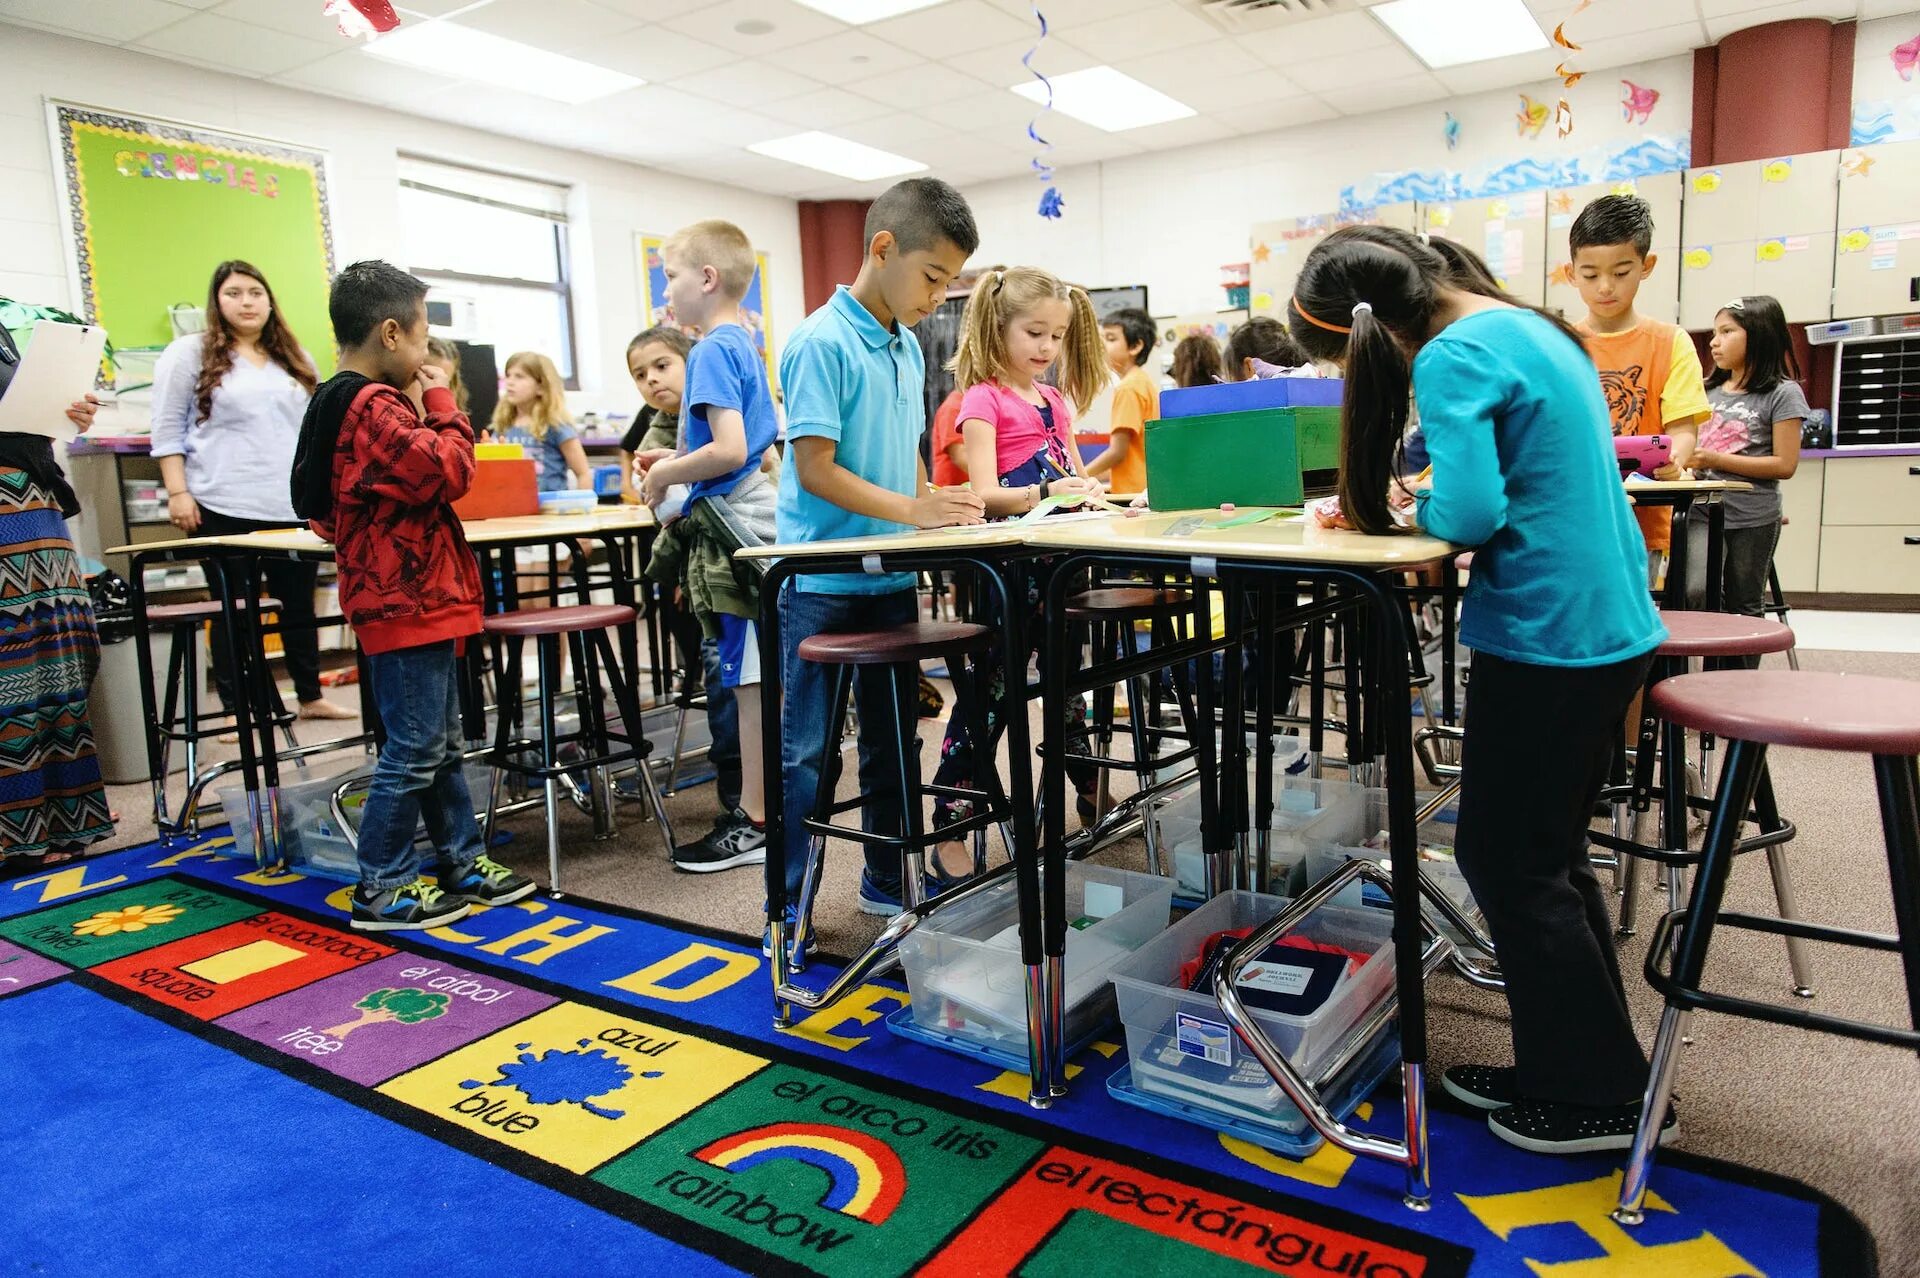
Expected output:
(1274, 554)
(1682, 495)
(259, 760)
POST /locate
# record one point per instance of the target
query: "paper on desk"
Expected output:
(57, 368)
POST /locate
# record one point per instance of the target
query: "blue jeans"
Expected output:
(803, 717)
(418, 775)
(723, 727)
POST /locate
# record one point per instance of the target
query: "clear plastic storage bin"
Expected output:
(1306, 812)
(313, 842)
(1327, 854)
(963, 964)
(1179, 1044)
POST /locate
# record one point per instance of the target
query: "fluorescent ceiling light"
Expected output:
(1447, 33)
(449, 49)
(860, 12)
(841, 157)
(1106, 99)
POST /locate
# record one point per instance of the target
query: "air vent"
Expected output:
(1237, 17)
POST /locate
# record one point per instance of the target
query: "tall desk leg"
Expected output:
(263, 816)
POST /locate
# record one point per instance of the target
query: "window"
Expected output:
(493, 249)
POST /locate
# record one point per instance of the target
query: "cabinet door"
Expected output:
(1876, 559)
(1278, 250)
(1872, 490)
(1510, 232)
(1721, 204)
(1798, 270)
(1879, 184)
(1876, 268)
(1798, 195)
(1712, 275)
(1797, 557)
(1660, 295)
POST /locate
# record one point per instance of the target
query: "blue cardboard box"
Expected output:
(1240, 397)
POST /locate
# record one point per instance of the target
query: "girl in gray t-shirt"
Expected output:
(1753, 435)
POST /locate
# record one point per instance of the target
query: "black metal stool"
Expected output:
(901, 649)
(585, 628)
(181, 717)
(1752, 709)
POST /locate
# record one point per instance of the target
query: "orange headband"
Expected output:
(1301, 311)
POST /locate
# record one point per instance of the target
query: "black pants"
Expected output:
(1539, 741)
(1747, 554)
(289, 581)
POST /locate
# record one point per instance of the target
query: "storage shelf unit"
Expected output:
(1876, 392)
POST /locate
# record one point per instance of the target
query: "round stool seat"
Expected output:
(203, 609)
(558, 621)
(1127, 603)
(1859, 714)
(1721, 634)
(917, 641)
(1463, 561)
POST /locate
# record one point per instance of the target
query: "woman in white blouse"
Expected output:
(227, 405)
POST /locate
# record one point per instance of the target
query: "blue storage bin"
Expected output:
(606, 480)
(1240, 397)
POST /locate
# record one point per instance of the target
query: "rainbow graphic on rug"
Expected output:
(864, 1177)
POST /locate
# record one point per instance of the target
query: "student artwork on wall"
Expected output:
(130, 185)
(755, 308)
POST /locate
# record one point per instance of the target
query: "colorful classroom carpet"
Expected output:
(210, 1074)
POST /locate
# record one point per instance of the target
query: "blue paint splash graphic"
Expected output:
(558, 1075)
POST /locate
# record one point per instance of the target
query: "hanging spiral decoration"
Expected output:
(1051, 205)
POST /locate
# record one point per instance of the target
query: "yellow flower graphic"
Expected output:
(133, 918)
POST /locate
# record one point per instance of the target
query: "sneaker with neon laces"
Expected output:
(485, 882)
(411, 907)
(735, 840)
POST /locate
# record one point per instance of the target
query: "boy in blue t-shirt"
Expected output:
(726, 425)
(856, 411)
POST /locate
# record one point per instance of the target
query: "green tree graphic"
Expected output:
(409, 1006)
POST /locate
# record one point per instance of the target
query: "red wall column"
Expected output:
(1806, 66)
(832, 246)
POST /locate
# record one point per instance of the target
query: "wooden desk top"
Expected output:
(480, 532)
(1287, 538)
(1682, 486)
(917, 541)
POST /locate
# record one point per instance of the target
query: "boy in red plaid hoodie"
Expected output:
(379, 483)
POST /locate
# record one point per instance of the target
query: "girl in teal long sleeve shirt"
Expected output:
(1558, 615)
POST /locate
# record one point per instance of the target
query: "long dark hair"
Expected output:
(1362, 292)
(1265, 340)
(216, 350)
(1770, 358)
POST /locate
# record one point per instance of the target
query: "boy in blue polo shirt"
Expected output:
(854, 381)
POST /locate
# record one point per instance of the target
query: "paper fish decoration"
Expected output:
(361, 17)
(1562, 274)
(1857, 164)
(1697, 259)
(1563, 118)
(1637, 101)
(1533, 117)
(1707, 183)
(1856, 241)
(1451, 131)
(1770, 251)
(1776, 171)
(1906, 57)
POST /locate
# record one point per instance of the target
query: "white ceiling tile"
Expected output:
(1209, 62)
(829, 108)
(994, 110)
(750, 83)
(1643, 46)
(428, 8)
(294, 17)
(1000, 64)
(1192, 131)
(1719, 27)
(352, 74)
(740, 128)
(1129, 36)
(653, 53)
(1359, 99)
(641, 10)
(115, 21)
(659, 109)
(917, 86)
(957, 26)
(1273, 117)
(1500, 73)
(1870, 9)
(548, 24)
(1065, 15)
(235, 46)
(718, 23)
(1617, 18)
(847, 55)
(1297, 42)
(1226, 95)
(1356, 70)
(980, 150)
(901, 133)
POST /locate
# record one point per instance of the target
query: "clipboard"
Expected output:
(59, 366)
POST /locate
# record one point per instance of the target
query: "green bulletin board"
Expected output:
(153, 207)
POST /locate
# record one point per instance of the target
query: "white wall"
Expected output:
(1886, 104)
(1171, 220)
(611, 199)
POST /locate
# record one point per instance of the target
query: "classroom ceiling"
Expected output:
(933, 85)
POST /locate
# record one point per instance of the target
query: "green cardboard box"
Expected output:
(1252, 458)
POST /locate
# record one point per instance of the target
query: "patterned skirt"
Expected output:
(51, 795)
